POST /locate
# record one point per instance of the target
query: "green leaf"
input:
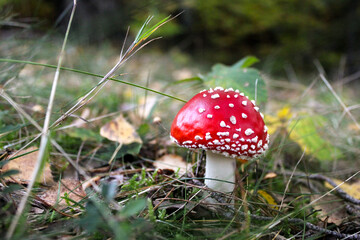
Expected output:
(143, 130)
(85, 134)
(12, 188)
(304, 131)
(9, 173)
(247, 80)
(133, 207)
(246, 62)
(10, 128)
(132, 149)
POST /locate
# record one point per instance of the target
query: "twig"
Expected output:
(336, 188)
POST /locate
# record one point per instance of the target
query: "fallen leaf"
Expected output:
(305, 130)
(26, 165)
(120, 130)
(270, 175)
(331, 208)
(71, 188)
(268, 199)
(352, 189)
(279, 121)
(171, 162)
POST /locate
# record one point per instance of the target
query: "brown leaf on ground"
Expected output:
(172, 162)
(121, 131)
(331, 208)
(26, 165)
(70, 187)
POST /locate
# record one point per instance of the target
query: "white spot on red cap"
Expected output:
(236, 96)
(197, 137)
(201, 110)
(243, 115)
(253, 146)
(253, 102)
(187, 142)
(231, 105)
(204, 95)
(222, 124)
(228, 96)
(244, 147)
(259, 144)
(207, 136)
(215, 96)
(255, 139)
(244, 102)
(248, 131)
(209, 116)
(242, 94)
(256, 109)
(233, 119)
(223, 134)
(227, 139)
(217, 142)
(217, 107)
(238, 129)
(235, 135)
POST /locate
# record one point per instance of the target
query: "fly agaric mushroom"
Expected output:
(227, 125)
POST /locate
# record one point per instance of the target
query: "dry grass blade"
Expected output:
(44, 138)
(339, 100)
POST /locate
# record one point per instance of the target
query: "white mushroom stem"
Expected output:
(220, 172)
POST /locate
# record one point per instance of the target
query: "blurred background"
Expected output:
(286, 35)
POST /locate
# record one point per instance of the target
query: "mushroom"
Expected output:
(227, 125)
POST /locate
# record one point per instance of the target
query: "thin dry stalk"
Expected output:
(288, 183)
(340, 101)
(44, 138)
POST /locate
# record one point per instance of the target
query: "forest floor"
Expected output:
(110, 169)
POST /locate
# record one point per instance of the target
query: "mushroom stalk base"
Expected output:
(218, 170)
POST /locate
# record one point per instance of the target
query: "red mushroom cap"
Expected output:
(224, 121)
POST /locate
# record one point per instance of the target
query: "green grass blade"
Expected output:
(91, 74)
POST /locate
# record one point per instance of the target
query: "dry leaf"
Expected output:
(171, 162)
(351, 189)
(69, 186)
(268, 199)
(121, 131)
(331, 208)
(270, 175)
(26, 165)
